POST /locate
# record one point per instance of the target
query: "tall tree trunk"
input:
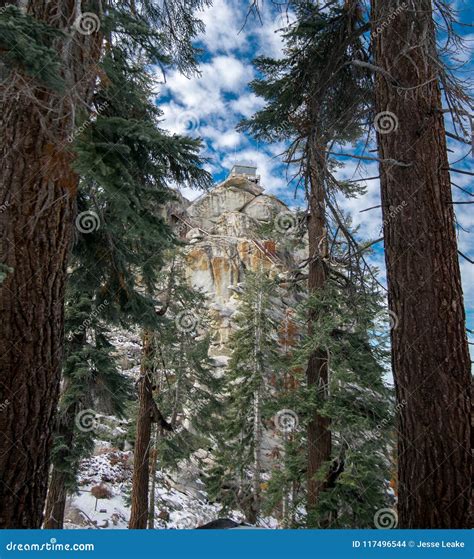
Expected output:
(57, 492)
(35, 234)
(430, 356)
(153, 462)
(56, 501)
(38, 189)
(257, 411)
(318, 431)
(141, 454)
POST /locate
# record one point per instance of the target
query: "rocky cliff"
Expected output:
(227, 231)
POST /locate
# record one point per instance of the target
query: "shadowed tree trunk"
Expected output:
(430, 356)
(57, 492)
(141, 452)
(318, 431)
(37, 190)
(148, 413)
(56, 501)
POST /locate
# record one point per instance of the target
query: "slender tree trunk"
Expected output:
(257, 451)
(257, 411)
(318, 431)
(141, 454)
(429, 348)
(56, 501)
(57, 493)
(37, 190)
(153, 462)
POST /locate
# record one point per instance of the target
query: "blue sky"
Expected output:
(211, 105)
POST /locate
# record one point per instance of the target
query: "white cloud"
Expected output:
(223, 22)
(211, 105)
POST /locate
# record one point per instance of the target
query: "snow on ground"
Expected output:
(176, 505)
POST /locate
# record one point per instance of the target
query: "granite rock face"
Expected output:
(228, 231)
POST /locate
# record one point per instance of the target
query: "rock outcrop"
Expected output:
(224, 230)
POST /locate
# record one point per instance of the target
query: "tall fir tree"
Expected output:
(430, 356)
(72, 57)
(122, 233)
(177, 390)
(356, 401)
(310, 94)
(91, 384)
(236, 476)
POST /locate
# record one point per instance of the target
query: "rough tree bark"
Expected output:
(148, 413)
(141, 453)
(37, 192)
(317, 374)
(56, 501)
(57, 492)
(430, 356)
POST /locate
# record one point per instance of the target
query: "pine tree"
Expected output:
(123, 232)
(91, 384)
(40, 64)
(310, 94)
(235, 478)
(60, 61)
(430, 356)
(356, 401)
(175, 383)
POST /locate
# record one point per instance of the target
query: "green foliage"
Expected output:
(127, 165)
(254, 359)
(312, 92)
(29, 45)
(186, 388)
(357, 401)
(92, 382)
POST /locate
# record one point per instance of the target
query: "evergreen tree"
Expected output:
(356, 401)
(91, 384)
(310, 95)
(236, 476)
(430, 355)
(126, 163)
(175, 382)
(115, 166)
